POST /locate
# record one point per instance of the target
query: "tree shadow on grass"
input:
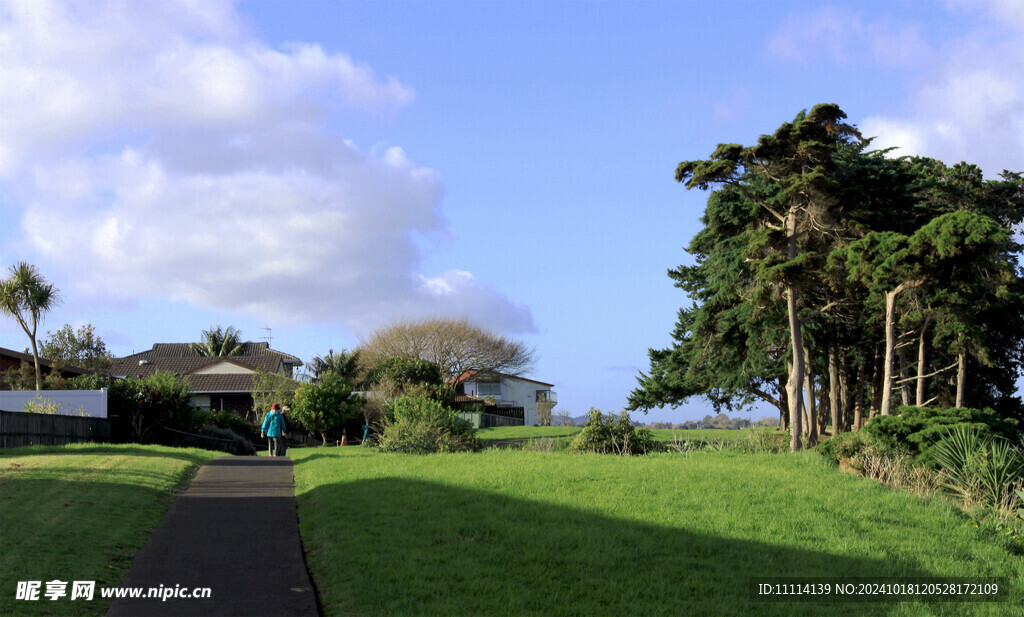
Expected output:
(396, 546)
(60, 530)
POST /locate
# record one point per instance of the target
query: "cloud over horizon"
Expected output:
(964, 97)
(159, 149)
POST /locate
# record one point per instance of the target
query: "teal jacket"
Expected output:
(273, 425)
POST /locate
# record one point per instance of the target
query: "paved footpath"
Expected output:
(235, 531)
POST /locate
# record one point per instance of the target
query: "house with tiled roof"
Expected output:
(219, 383)
(12, 360)
(498, 391)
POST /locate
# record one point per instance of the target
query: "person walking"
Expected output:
(274, 430)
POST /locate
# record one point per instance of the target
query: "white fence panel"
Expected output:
(92, 402)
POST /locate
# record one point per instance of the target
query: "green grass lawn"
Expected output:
(707, 434)
(526, 533)
(81, 512)
(500, 433)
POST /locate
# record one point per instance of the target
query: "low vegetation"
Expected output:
(419, 424)
(81, 512)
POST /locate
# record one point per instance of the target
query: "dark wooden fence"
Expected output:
(36, 429)
(506, 416)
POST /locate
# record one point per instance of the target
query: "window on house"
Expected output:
(485, 388)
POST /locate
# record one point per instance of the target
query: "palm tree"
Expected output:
(218, 342)
(344, 363)
(26, 296)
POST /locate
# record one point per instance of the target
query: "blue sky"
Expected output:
(319, 168)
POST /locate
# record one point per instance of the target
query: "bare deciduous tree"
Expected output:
(455, 345)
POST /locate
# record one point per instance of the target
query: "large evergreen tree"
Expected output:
(822, 258)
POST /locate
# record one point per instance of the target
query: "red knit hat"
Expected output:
(275, 406)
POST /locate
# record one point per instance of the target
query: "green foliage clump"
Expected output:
(323, 405)
(608, 434)
(405, 371)
(761, 441)
(915, 430)
(143, 407)
(420, 424)
(848, 445)
(23, 377)
(92, 381)
(980, 468)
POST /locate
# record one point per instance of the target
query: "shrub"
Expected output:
(915, 430)
(767, 441)
(419, 424)
(980, 468)
(92, 381)
(144, 407)
(897, 472)
(608, 434)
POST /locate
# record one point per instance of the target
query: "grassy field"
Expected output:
(81, 512)
(707, 434)
(500, 433)
(526, 533)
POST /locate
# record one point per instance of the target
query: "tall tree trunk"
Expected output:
(796, 376)
(919, 400)
(876, 384)
(35, 358)
(834, 386)
(844, 396)
(961, 378)
(858, 409)
(812, 410)
(890, 343)
(904, 385)
(783, 404)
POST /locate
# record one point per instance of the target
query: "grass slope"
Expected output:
(707, 434)
(526, 533)
(501, 433)
(81, 512)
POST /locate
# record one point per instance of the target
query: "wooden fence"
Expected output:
(35, 429)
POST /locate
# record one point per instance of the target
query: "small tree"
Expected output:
(323, 405)
(270, 388)
(26, 295)
(81, 348)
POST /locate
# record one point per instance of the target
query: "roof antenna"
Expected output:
(269, 338)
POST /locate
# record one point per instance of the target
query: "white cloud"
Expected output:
(158, 149)
(966, 97)
(843, 36)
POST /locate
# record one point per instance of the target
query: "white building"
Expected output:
(506, 391)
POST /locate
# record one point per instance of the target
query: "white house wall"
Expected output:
(225, 368)
(514, 392)
(92, 402)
